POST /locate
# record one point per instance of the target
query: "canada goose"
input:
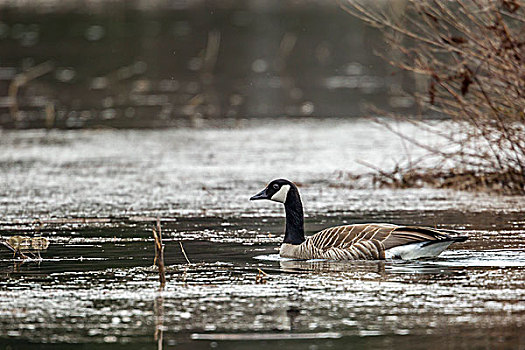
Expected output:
(352, 242)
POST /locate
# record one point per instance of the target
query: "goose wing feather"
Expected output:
(365, 241)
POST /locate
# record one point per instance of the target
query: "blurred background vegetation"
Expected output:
(133, 64)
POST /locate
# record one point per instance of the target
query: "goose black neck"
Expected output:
(293, 206)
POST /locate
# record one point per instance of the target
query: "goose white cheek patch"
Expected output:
(280, 196)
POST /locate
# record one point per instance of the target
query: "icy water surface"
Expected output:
(95, 284)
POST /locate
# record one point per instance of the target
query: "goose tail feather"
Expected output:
(421, 250)
(459, 238)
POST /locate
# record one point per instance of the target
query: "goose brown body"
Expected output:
(360, 242)
(352, 242)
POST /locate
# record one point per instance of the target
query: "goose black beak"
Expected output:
(260, 195)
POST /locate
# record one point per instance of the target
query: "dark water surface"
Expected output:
(95, 284)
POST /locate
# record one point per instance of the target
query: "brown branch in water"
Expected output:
(184, 253)
(185, 274)
(16, 251)
(377, 169)
(260, 278)
(159, 254)
(159, 321)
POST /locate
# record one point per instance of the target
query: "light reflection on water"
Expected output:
(96, 283)
(109, 294)
(212, 173)
(447, 260)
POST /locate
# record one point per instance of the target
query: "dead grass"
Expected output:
(450, 179)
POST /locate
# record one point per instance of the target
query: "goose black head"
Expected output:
(276, 191)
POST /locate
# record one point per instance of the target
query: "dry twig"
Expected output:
(184, 253)
(159, 254)
(472, 55)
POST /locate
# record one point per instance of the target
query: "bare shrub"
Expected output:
(471, 56)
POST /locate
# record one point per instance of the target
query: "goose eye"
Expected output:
(275, 186)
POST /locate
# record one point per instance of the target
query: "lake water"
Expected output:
(95, 284)
(182, 110)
